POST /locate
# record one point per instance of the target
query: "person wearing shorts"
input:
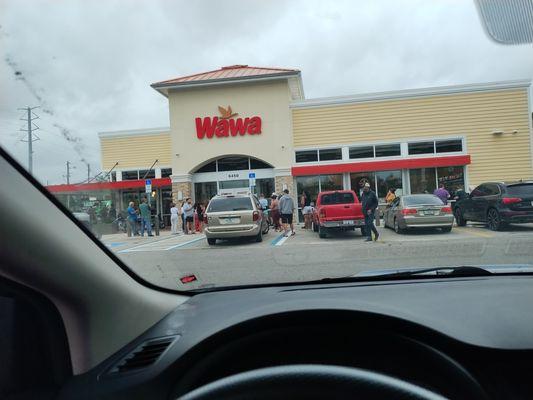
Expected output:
(188, 211)
(286, 208)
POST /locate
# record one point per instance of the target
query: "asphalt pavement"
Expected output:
(165, 259)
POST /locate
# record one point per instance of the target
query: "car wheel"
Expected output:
(459, 217)
(494, 221)
(446, 229)
(322, 232)
(211, 241)
(259, 237)
(397, 228)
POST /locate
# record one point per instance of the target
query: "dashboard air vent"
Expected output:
(143, 356)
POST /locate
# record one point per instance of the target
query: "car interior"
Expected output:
(78, 324)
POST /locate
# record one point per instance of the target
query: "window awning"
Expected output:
(384, 165)
(85, 187)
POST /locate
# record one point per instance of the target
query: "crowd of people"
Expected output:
(187, 217)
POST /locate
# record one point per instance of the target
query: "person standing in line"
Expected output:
(182, 215)
(263, 202)
(286, 208)
(132, 220)
(369, 202)
(442, 193)
(274, 211)
(391, 196)
(174, 218)
(188, 210)
(200, 210)
(146, 217)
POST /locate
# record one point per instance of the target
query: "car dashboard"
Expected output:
(459, 337)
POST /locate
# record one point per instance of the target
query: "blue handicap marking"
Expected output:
(148, 182)
(114, 244)
(251, 175)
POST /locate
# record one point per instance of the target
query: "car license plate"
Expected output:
(229, 220)
(427, 212)
(348, 222)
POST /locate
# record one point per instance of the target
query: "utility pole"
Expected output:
(30, 116)
(88, 172)
(69, 167)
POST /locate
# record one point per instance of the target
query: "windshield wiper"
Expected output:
(463, 270)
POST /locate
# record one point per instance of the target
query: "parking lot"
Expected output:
(166, 258)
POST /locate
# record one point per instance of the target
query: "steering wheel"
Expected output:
(310, 381)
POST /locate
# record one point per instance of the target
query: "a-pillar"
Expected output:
(181, 187)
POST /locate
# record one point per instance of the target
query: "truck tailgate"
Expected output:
(337, 212)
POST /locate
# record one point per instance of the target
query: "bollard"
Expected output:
(156, 227)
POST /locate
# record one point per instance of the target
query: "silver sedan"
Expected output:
(418, 211)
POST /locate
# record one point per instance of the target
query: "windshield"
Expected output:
(422, 200)
(219, 144)
(337, 198)
(230, 204)
(520, 190)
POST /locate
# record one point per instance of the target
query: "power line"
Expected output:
(30, 117)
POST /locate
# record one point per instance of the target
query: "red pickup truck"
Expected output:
(339, 209)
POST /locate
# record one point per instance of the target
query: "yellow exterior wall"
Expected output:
(472, 115)
(135, 151)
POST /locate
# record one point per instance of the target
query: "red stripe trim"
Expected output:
(138, 183)
(405, 163)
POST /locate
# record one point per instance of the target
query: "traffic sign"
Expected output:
(251, 175)
(148, 186)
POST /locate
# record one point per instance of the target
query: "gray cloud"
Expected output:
(89, 64)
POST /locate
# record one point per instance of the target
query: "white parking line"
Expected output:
(186, 243)
(163, 244)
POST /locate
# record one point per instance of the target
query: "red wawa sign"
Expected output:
(226, 125)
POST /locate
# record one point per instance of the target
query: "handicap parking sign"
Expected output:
(148, 186)
(251, 175)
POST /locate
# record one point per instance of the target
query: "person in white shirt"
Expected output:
(174, 218)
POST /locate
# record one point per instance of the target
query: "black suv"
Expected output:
(497, 204)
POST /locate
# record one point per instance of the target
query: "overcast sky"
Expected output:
(88, 64)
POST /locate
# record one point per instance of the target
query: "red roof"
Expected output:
(229, 72)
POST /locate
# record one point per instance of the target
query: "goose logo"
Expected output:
(226, 125)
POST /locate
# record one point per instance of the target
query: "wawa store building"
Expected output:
(242, 127)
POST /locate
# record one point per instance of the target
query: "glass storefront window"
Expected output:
(452, 177)
(265, 186)
(331, 182)
(388, 150)
(130, 175)
(258, 164)
(234, 184)
(362, 152)
(209, 167)
(146, 174)
(449, 146)
(358, 180)
(422, 180)
(306, 156)
(204, 191)
(166, 172)
(330, 154)
(421, 148)
(387, 180)
(233, 164)
(308, 185)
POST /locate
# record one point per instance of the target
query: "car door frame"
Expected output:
(474, 203)
(490, 199)
(391, 211)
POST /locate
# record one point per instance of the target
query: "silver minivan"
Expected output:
(231, 216)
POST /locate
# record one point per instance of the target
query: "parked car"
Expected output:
(418, 211)
(337, 210)
(231, 216)
(497, 204)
